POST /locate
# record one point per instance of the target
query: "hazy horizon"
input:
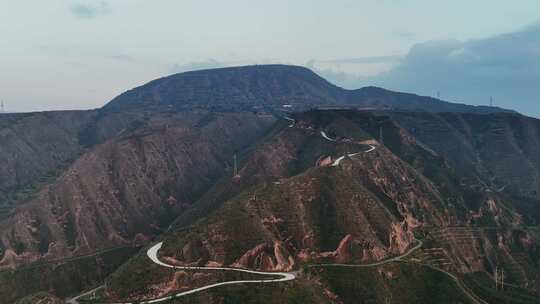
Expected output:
(80, 54)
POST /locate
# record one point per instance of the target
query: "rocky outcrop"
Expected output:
(346, 250)
(324, 161)
(268, 257)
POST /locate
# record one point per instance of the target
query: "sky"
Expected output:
(75, 54)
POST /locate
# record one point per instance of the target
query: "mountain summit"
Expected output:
(270, 87)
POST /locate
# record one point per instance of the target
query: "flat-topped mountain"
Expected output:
(270, 86)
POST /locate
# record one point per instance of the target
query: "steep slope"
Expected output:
(398, 283)
(290, 206)
(35, 147)
(294, 149)
(88, 180)
(503, 150)
(128, 188)
(62, 277)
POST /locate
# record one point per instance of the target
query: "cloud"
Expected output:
(90, 11)
(199, 65)
(350, 72)
(120, 57)
(78, 53)
(506, 67)
(212, 63)
(337, 77)
(358, 60)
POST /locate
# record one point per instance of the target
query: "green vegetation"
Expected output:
(41, 298)
(391, 283)
(297, 292)
(96, 297)
(137, 273)
(484, 287)
(28, 191)
(140, 276)
(64, 277)
(234, 227)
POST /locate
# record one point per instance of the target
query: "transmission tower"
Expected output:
(2, 107)
(235, 166)
(499, 279)
(496, 278)
(491, 101)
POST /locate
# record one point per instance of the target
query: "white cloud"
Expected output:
(89, 11)
(505, 66)
(198, 65)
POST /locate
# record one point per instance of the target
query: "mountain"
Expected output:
(34, 148)
(269, 87)
(503, 150)
(83, 190)
(290, 207)
(126, 188)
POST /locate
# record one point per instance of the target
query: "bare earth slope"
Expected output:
(34, 146)
(126, 189)
(503, 150)
(307, 191)
(292, 208)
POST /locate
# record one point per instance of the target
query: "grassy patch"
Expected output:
(484, 287)
(61, 278)
(392, 283)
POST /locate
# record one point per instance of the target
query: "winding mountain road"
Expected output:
(152, 254)
(75, 300)
(418, 245)
(339, 159)
(325, 136)
(291, 120)
(461, 286)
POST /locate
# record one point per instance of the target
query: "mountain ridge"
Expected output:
(271, 86)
